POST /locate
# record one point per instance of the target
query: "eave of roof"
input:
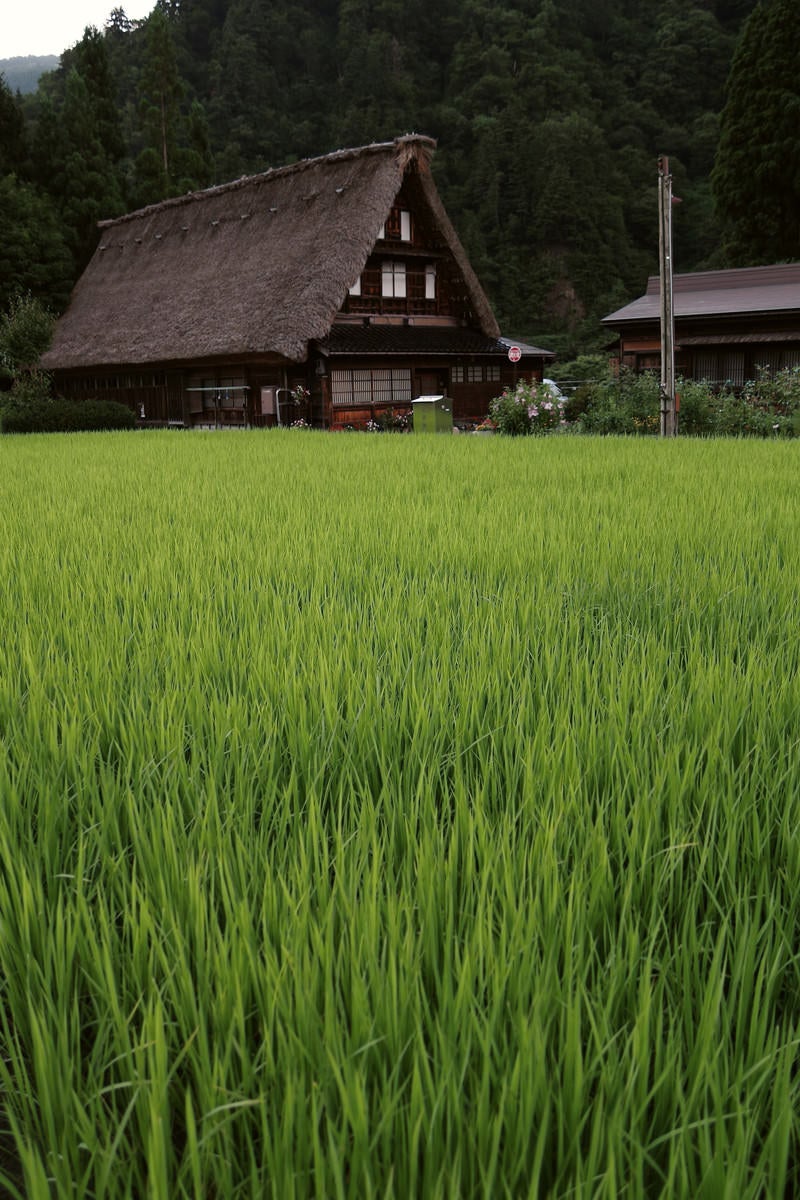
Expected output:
(386, 340)
(738, 339)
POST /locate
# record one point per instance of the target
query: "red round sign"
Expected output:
(514, 353)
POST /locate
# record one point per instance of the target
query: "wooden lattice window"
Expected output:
(362, 387)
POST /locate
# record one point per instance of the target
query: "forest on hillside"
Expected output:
(22, 73)
(550, 117)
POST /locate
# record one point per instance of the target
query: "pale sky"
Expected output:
(52, 26)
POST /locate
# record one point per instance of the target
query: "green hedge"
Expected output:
(627, 405)
(65, 416)
(768, 406)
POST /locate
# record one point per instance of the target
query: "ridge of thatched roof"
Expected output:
(260, 265)
(414, 141)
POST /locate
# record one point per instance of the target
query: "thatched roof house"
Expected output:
(727, 323)
(341, 276)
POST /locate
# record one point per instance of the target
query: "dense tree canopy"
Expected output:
(33, 251)
(26, 328)
(12, 131)
(34, 256)
(756, 179)
(550, 116)
(78, 146)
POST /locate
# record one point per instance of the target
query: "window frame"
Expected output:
(367, 387)
(393, 279)
(430, 281)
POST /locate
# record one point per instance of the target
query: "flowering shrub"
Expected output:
(300, 423)
(774, 400)
(396, 420)
(300, 394)
(527, 408)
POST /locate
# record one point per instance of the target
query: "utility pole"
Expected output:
(669, 412)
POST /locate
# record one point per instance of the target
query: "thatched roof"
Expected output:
(261, 265)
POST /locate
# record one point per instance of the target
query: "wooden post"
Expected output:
(669, 416)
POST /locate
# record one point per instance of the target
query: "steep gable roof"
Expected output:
(260, 265)
(741, 291)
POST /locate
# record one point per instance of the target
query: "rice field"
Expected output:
(399, 816)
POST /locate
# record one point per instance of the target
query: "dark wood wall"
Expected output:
(242, 394)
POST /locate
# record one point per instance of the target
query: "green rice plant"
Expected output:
(394, 817)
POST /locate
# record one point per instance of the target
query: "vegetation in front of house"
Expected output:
(399, 816)
(29, 406)
(26, 330)
(21, 414)
(629, 404)
(528, 408)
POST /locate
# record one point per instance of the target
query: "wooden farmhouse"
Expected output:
(727, 324)
(332, 290)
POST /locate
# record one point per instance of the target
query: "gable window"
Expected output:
(393, 278)
(397, 227)
(430, 281)
(355, 288)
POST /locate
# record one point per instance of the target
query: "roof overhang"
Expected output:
(736, 339)
(412, 341)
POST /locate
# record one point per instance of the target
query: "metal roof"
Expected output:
(737, 292)
(526, 348)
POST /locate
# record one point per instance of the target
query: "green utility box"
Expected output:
(433, 414)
